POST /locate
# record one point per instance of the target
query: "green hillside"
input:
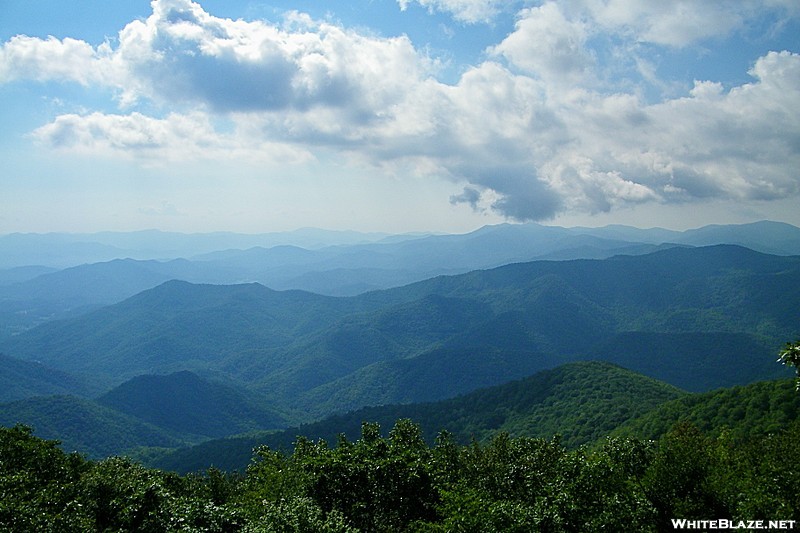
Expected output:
(582, 402)
(188, 404)
(742, 412)
(24, 379)
(85, 426)
(435, 375)
(538, 318)
(726, 453)
(162, 411)
(178, 326)
(667, 314)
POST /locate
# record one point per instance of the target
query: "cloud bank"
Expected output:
(534, 130)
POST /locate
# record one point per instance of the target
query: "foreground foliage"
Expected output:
(400, 483)
(790, 355)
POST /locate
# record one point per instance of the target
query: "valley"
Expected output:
(158, 348)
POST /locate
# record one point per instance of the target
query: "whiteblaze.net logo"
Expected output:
(732, 525)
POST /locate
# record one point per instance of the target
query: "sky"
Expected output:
(397, 115)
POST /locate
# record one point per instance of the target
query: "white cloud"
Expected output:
(183, 54)
(133, 134)
(529, 139)
(743, 144)
(548, 45)
(469, 11)
(23, 57)
(154, 141)
(674, 23)
(596, 152)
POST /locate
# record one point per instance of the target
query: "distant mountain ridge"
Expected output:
(63, 250)
(311, 355)
(331, 263)
(777, 238)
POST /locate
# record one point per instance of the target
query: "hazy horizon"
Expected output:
(379, 234)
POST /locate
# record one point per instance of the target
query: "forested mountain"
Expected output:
(335, 270)
(449, 334)
(180, 326)
(187, 404)
(24, 379)
(582, 402)
(77, 290)
(182, 362)
(118, 265)
(85, 426)
(741, 412)
(724, 453)
(164, 411)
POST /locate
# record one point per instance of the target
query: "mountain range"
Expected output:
(164, 353)
(53, 276)
(699, 318)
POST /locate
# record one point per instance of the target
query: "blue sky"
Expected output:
(397, 115)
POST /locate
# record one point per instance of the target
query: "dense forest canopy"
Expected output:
(400, 483)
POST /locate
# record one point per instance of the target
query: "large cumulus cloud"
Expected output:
(532, 131)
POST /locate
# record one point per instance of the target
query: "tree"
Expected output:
(39, 484)
(679, 482)
(790, 355)
(378, 484)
